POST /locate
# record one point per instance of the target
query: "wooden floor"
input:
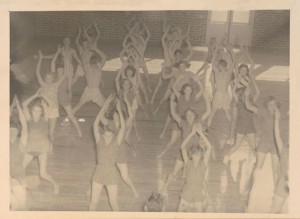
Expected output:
(73, 160)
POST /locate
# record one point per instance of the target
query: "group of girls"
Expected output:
(117, 117)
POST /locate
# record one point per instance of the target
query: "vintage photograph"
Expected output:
(149, 111)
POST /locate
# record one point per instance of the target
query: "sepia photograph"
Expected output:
(149, 111)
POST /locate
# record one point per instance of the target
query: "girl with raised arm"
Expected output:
(106, 172)
(49, 90)
(195, 157)
(34, 140)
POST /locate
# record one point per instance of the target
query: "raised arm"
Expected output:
(147, 32)
(129, 24)
(23, 121)
(53, 61)
(201, 88)
(27, 102)
(38, 69)
(163, 39)
(184, 143)
(122, 131)
(118, 77)
(173, 109)
(74, 53)
(278, 139)
(248, 104)
(190, 49)
(77, 40)
(100, 117)
(251, 75)
(207, 144)
(97, 33)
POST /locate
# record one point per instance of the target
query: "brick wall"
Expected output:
(22, 31)
(271, 29)
(112, 24)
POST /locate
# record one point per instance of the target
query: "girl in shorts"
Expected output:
(34, 140)
(49, 90)
(57, 65)
(267, 142)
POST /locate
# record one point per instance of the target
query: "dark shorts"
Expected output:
(267, 147)
(192, 195)
(106, 174)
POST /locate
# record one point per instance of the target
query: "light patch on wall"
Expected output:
(275, 73)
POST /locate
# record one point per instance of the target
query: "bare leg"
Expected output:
(113, 196)
(237, 144)
(181, 205)
(211, 116)
(96, 191)
(81, 102)
(275, 163)
(52, 124)
(228, 115)
(73, 119)
(252, 142)
(208, 107)
(232, 126)
(165, 98)
(123, 168)
(146, 73)
(44, 174)
(27, 159)
(175, 135)
(161, 136)
(156, 90)
(178, 166)
(277, 204)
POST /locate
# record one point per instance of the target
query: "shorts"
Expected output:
(221, 100)
(64, 98)
(94, 95)
(106, 174)
(54, 113)
(267, 147)
(282, 188)
(192, 195)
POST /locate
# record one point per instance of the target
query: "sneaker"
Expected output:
(66, 121)
(81, 120)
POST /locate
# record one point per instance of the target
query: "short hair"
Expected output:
(194, 149)
(95, 60)
(108, 128)
(37, 102)
(185, 86)
(131, 68)
(155, 203)
(178, 51)
(222, 63)
(182, 62)
(243, 66)
(126, 79)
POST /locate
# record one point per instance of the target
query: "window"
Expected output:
(240, 17)
(219, 16)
